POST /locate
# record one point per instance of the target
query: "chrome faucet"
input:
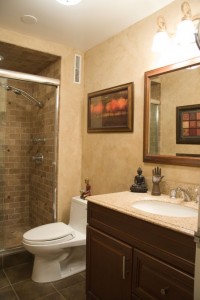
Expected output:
(197, 194)
(186, 196)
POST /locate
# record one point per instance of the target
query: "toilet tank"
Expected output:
(78, 214)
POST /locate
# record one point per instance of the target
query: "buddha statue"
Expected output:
(139, 185)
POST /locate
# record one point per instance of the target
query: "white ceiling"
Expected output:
(82, 26)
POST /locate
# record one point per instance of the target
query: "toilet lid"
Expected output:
(49, 232)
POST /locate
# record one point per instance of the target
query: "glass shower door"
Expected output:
(2, 157)
(28, 155)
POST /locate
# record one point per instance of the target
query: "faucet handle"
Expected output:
(173, 193)
(185, 193)
(197, 190)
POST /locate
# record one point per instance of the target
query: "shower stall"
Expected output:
(28, 154)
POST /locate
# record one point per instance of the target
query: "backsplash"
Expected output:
(166, 186)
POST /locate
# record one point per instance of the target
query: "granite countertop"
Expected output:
(123, 201)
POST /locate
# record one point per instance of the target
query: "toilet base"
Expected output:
(47, 269)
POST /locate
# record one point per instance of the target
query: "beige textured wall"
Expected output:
(69, 165)
(111, 160)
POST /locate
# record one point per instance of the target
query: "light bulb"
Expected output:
(185, 32)
(160, 42)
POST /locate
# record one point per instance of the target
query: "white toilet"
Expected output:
(59, 249)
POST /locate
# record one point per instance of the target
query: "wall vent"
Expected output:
(77, 68)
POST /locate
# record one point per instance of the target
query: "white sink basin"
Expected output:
(165, 208)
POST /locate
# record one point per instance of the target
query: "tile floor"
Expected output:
(16, 284)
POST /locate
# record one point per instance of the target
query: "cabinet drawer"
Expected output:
(153, 279)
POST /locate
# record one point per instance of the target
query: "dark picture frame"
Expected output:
(111, 110)
(188, 124)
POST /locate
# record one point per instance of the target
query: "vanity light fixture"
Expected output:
(161, 38)
(185, 29)
(69, 2)
(185, 34)
(1, 58)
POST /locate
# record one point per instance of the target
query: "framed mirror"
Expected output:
(172, 114)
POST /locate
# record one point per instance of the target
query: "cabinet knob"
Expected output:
(164, 291)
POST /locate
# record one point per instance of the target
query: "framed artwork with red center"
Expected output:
(111, 110)
(188, 124)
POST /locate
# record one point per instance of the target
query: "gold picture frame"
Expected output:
(111, 110)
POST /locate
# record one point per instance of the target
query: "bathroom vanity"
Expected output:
(137, 255)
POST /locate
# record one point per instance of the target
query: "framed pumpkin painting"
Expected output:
(111, 110)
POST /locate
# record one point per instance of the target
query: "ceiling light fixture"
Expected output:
(28, 19)
(69, 2)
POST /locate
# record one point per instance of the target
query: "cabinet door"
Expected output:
(109, 265)
(155, 280)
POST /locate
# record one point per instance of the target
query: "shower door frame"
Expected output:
(53, 82)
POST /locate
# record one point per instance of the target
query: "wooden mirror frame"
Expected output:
(164, 159)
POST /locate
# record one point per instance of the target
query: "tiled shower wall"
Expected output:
(2, 148)
(26, 188)
(15, 130)
(42, 175)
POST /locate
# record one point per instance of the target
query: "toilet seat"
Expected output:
(49, 233)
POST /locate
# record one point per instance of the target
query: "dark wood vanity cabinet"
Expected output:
(128, 258)
(109, 266)
(154, 279)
